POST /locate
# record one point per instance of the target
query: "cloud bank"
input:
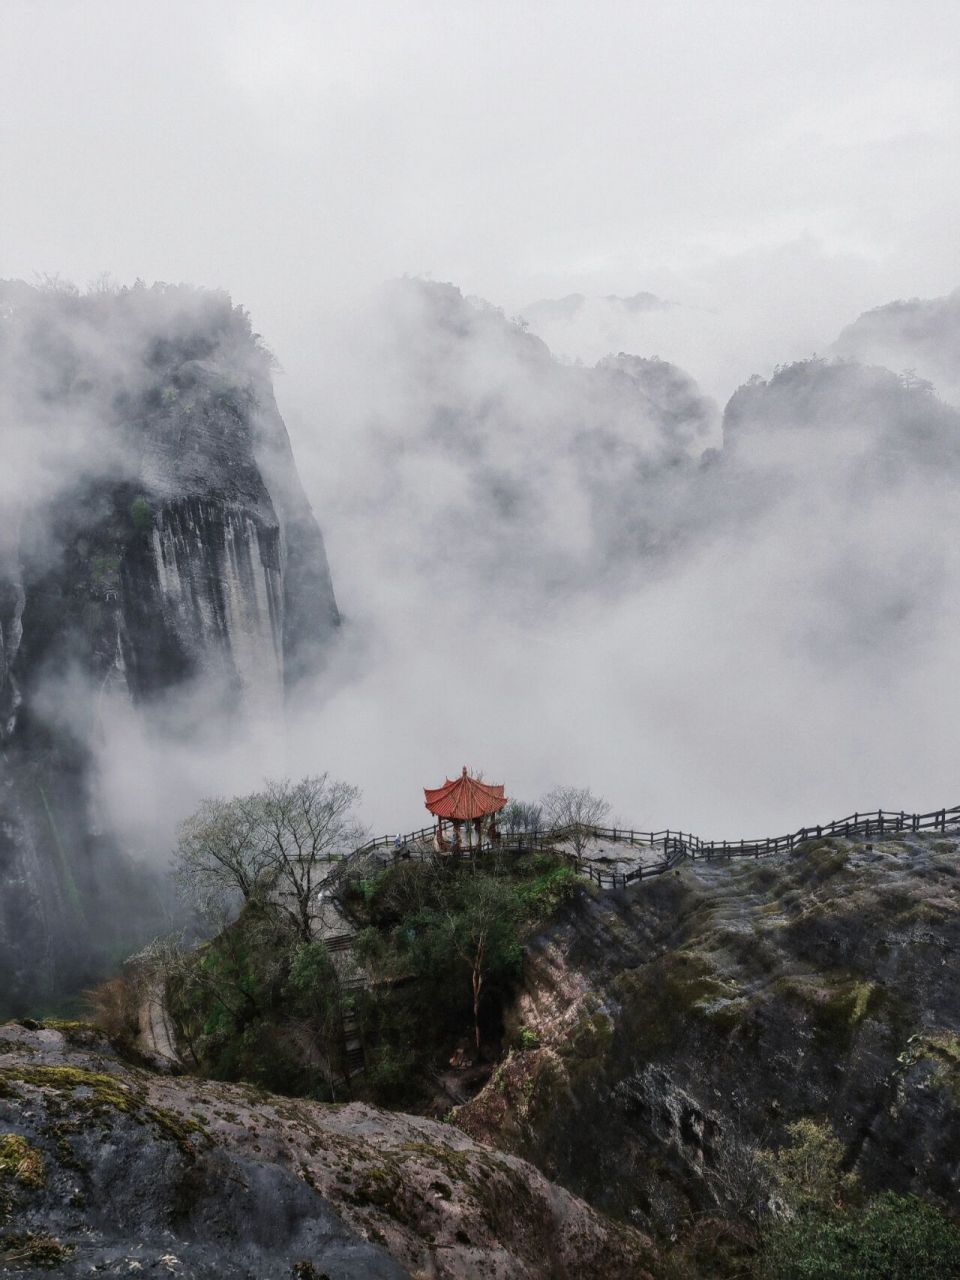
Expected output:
(563, 576)
(568, 572)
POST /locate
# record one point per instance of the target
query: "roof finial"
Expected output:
(464, 770)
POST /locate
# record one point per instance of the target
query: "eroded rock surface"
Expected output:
(160, 567)
(109, 1166)
(682, 1025)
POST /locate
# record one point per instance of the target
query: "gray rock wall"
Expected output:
(166, 547)
(685, 1024)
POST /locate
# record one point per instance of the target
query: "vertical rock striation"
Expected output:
(155, 540)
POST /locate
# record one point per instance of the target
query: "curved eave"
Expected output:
(463, 799)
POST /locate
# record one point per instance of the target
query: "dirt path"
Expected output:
(156, 1032)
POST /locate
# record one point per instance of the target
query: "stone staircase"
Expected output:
(333, 929)
(338, 942)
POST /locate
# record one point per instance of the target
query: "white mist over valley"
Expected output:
(763, 643)
(617, 353)
(479, 615)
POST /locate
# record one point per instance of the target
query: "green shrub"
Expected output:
(388, 1071)
(543, 896)
(141, 513)
(894, 1238)
(808, 1174)
(441, 944)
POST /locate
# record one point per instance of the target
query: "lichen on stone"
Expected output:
(100, 1093)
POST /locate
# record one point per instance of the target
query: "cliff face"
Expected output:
(160, 542)
(685, 1024)
(114, 1168)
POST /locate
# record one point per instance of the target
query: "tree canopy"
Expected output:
(271, 843)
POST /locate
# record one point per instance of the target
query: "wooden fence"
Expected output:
(674, 846)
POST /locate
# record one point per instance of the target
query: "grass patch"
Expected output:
(21, 1162)
(893, 1238)
(38, 1252)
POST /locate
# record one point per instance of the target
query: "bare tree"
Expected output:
(519, 817)
(267, 846)
(221, 854)
(303, 824)
(577, 808)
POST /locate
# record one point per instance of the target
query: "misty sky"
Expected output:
(801, 160)
(773, 169)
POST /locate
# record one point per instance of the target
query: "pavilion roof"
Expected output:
(464, 798)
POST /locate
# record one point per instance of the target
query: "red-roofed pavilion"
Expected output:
(466, 800)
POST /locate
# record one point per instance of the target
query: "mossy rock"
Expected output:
(835, 1006)
(141, 514)
(102, 1094)
(816, 845)
(824, 861)
(381, 1187)
(103, 1089)
(74, 1030)
(589, 1040)
(942, 1050)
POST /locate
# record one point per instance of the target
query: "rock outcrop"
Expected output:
(158, 541)
(683, 1025)
(114, 1168)
(918, 336)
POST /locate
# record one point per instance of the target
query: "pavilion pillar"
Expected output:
(474, 802)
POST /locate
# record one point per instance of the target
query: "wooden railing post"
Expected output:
(676, 845)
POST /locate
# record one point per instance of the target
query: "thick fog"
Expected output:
(553, 563)
(737, 638)
(786, 165)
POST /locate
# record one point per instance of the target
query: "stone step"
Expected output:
(338, 942)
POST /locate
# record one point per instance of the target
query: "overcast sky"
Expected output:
(772, 167)
(801, 157)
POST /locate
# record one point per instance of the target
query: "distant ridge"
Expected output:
(565, 308)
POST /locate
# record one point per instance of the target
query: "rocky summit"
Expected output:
(111, 1168)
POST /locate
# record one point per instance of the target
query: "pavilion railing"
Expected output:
(674, 846)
